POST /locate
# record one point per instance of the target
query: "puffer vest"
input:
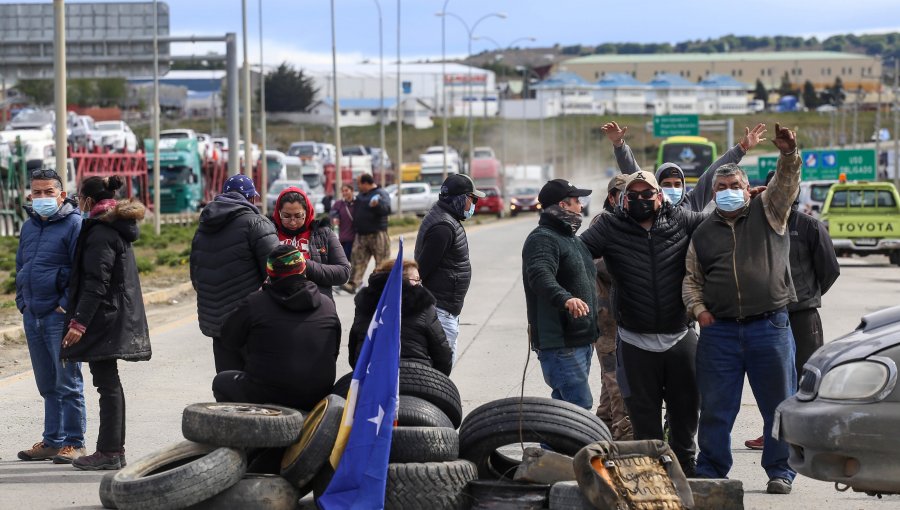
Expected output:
(450, 282)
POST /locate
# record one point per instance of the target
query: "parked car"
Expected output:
(305, 150)
(221, 143)
(483, 153)
(434, 155)
(492, 203)
(208, 150)
(84, 133)
(812, 196)
(280, 185)
(863, 218)
(117, 136)
(841, 426)
(416, 197)
(524, 199)
(255, 153)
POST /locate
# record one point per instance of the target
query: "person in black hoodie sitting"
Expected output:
(422, 337)
(290, 336)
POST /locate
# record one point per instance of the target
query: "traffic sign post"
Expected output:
(828, 165)
(675, 125)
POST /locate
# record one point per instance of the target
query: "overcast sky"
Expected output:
(300, 30)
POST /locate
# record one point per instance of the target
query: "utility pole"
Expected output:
(248, 152)
(444, 125)
(264, 178)
(59, 88)
(338, 165)
(859, 92)
(896, 122)
(157, 182)
(878, 122)
(398, 174)
(381, 93)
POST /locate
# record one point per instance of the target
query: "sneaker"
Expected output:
(39, 451)
(689, 467)
(100, 461)
(755, 444)
(348, 288)
(68, 453)
(779, 486)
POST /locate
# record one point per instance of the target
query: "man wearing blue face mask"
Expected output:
(442, 251)
(43, 263)
(738, 285)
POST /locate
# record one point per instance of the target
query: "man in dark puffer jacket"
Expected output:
(645, 246)
(228, 259)
(422, 337)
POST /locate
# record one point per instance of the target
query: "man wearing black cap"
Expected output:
(442, 251)
(558, 274)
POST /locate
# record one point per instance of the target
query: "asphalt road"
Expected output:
(494, 355)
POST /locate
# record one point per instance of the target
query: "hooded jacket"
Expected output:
(422, 337)
(44, 259)
(105, 290)
(228, 257)
(326, 264)
(290, 337)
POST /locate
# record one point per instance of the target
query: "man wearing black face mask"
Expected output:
(644, 244)
(558, 274)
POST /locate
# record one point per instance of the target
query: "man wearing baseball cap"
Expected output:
(228, 260)
(442, 251)
(644, 244)
(558, 275)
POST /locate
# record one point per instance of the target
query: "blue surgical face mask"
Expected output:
(674, 194)
(45, 207)
(729, 200)
(470, 212)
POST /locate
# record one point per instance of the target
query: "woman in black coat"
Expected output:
(106, 309)
(422, 337)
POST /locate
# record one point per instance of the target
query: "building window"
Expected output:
(688, 74)
(373, 113)
(850, 71)
(829, 71)
(770, 71)
(733, 73)
(596, 75)
(740, 72)
(343, 113)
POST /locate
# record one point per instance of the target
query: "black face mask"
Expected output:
(640, 209)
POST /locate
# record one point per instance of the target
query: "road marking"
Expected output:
(165, 328)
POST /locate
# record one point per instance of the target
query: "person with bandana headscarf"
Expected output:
(558, 274)
(295, 224)
(442, 251)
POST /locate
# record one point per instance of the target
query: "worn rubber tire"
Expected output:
(106, 495)
(417, 412)
(565, 427)
(432, 485)
(422, 381)
(177, 476)
(342, 386)
(265, 461)
(506, 494)
(568, 496)
(255, 492)
(305, 458)
(424, 444)
(241, 425)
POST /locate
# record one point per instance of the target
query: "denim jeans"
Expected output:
(61, 386)
(764, 351)
(450, 323)
(566, 371)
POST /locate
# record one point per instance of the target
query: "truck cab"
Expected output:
(181, 174)
(863, 218)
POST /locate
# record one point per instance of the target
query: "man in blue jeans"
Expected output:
(738, 285)
(558, 273)
(43, 262)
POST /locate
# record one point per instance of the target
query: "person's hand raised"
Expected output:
(785, 139)
(753, 137)
(615, 133)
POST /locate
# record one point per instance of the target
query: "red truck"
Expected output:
(487, 174)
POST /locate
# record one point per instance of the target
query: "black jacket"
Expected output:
(556, 267)
(105, 290)
(421, 336)
(648, 267)
(228, 257)
(290, 336)
(442, 252)
(368, 219)
(814, 265)
(327, 266)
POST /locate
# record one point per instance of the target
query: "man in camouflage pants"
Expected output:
(371, 209)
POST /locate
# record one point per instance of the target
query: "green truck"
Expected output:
(181, 174)
(863, 218)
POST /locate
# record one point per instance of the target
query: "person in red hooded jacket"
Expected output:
(296, 225)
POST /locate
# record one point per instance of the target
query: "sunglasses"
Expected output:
(474, 198)
(644, 194)
(45, 173)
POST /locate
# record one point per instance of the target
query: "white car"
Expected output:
(84, 133)
(255, 153)
(208, 150)
(416, 197)
(117, 136)
(280, 185)
(435, 156)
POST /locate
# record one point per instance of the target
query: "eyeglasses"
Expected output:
(288, 217)
(473, 198)
(645, 194)
(415, 281)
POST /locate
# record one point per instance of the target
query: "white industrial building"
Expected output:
(368, 112)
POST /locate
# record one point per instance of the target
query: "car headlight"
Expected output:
(859, 380)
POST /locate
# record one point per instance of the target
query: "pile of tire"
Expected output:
(246, 456)
(425, 470)
(488, 437)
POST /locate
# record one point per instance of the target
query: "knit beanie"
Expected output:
(285, 260)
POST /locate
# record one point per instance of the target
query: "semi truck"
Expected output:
(181, 174)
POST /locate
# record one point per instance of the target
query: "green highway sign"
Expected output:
(764, 165)
(829, 164)
(676, 125)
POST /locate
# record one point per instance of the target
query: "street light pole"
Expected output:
(381, 91)
(338, 169)
(398, 174)
(444, 82)
(248, 153)
(157, 182)
(59, 88)
(264, 178)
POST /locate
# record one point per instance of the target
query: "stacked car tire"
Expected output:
(425, 470)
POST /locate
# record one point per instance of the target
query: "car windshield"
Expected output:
(353, 151)
(489, 192)
(435, 180)
(178, 135)
(525, 191)
(114, 126)
(176, 175)
(273, 164)
(483, 154)
(863, 198)
(312, 180)
(279, 186)
(818, 192)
